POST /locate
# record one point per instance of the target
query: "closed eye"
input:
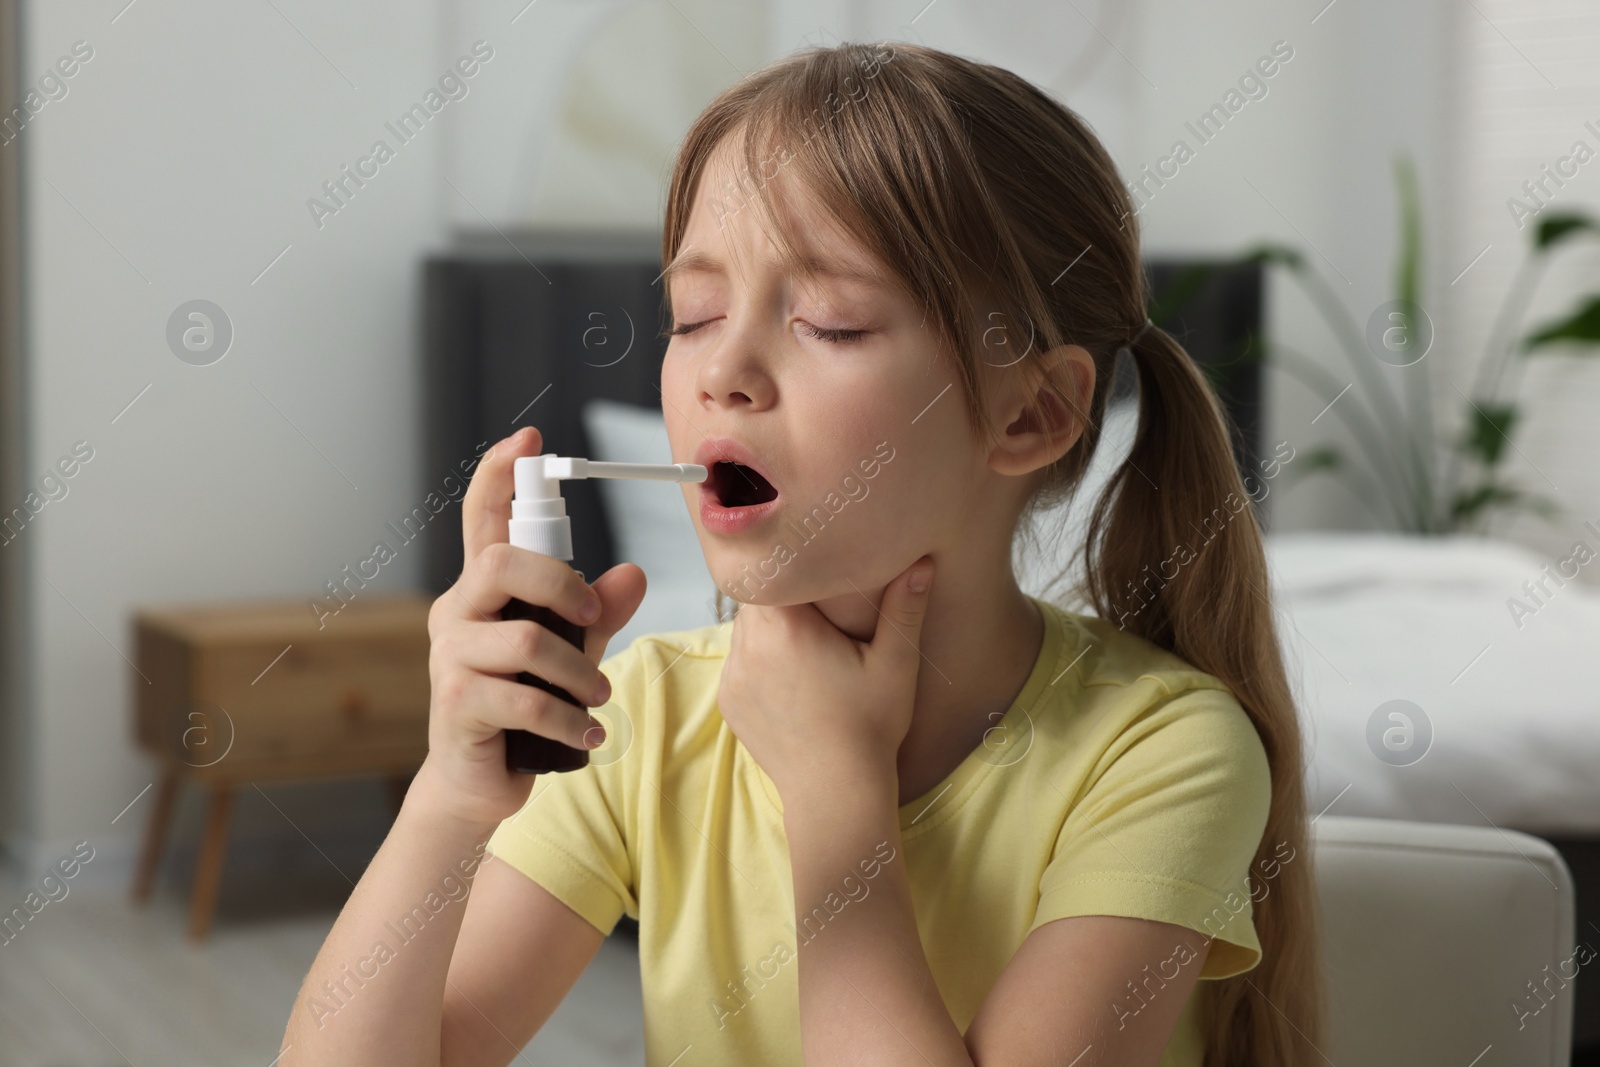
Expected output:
(841, 336)
(835, 336)
(688, 327)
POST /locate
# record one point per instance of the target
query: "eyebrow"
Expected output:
(692, 260)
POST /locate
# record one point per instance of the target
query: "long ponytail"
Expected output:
(1174, 555)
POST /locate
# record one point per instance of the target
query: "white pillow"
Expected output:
(1043, 570)
(650, 522)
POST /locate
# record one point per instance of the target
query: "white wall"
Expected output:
(179, 166)
(1533, 96)
(585, 137)
(1310, 168)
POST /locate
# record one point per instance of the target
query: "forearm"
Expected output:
(866, 991)
(375, 993)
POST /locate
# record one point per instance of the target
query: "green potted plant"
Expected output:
(1429, 486)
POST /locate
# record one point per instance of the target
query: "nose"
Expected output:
(734, 372)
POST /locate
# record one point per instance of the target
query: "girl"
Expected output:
(895, 810)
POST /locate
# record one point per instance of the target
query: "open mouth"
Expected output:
(738, 486)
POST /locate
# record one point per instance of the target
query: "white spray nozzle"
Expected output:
(572, 467)
(539, 520)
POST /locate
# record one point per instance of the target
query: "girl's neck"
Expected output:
(980, 639)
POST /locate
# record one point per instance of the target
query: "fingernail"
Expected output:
(919, 579)
(590, 610)
(602, 692)
(594, 736)
(520, 436)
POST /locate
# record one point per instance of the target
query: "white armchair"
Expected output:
(1446, 945)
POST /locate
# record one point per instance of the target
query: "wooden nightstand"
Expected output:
(250, 692)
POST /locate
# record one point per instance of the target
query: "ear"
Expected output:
(1038, 427)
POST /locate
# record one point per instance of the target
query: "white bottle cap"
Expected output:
(539, 520)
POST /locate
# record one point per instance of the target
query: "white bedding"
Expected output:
(1363, 620)
(1514, 709)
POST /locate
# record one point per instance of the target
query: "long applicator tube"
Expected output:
(564, 467)
(539, 523)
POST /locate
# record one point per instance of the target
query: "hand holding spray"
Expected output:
(539, 523)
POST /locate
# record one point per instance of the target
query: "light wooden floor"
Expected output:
(92, 981)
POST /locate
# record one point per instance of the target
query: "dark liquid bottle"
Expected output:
(528, 752)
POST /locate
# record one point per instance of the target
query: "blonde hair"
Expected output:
(978, 190)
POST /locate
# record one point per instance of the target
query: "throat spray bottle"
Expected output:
(539, 523)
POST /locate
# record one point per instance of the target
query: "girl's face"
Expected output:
(835, 389)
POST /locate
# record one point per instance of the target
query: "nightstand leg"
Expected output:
(208, 871)
(155, 835)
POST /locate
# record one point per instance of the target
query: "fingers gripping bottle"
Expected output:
(539, 523)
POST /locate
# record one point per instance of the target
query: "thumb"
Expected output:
(900, 628)
(621, 590)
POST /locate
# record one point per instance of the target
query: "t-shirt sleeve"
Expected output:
(1168, 827)
(577, 833)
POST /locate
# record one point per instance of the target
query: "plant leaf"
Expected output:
(1555, 228)
(1410, 232)
(1493, 495)
(1268, 253)
(1489, 431)
(1470, 502)
(1318, 459)
(1582, 326)
(1542, 506)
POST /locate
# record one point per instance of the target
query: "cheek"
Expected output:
(860, 401)
(677, 385)
(914, 414)
(913, 468)
(674, 372)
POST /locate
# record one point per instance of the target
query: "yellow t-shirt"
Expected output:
(1122, 781)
